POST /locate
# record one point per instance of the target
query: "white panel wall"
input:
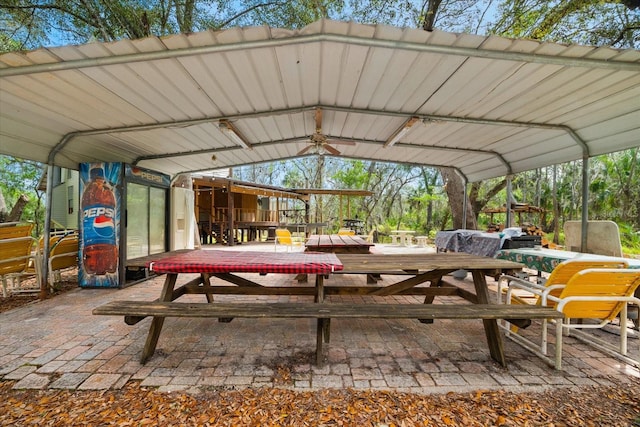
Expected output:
(182, 227)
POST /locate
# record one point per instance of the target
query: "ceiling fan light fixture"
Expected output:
(233, 134)
(402, 131)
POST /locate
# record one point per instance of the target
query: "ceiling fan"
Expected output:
(320, 143)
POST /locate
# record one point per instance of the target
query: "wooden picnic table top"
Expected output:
(337, 243)
(416, 263)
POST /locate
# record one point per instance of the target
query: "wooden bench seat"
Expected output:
(322, 312)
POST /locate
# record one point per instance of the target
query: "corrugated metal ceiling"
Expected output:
(487, 106)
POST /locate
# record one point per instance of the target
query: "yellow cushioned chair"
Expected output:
(596, 297)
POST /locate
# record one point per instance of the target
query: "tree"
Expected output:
(19, 190)
(595, 22)
(28, 24)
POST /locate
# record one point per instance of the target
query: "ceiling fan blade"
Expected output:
(304, 150)
(331, 149)
(340, 142)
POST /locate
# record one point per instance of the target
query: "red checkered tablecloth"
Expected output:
(213, 261)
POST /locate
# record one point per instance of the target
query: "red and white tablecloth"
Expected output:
(212, 261)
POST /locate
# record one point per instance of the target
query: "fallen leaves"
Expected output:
(138, 406)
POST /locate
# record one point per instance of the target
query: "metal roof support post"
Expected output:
(464, 203)
(509, 219)
(585, 203)
(45, 234)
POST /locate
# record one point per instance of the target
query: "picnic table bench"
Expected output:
(321, 311)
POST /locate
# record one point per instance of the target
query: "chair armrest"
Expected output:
(546, 294)
(509, 279)
(564, 301)
(533, 288)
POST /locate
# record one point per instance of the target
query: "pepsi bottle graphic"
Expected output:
(100, 254)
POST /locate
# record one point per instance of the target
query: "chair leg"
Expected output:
(623, 330)
(545, 337)
(559, 328)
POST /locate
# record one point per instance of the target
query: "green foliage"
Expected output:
(630, 238)
(20, 177)
(354, 176)
(294, 14)
(592, 22)
(7, 44)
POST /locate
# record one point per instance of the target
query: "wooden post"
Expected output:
(230, 216)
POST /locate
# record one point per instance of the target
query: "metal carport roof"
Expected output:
(487, 106)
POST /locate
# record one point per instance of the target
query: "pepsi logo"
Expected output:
(103, 226)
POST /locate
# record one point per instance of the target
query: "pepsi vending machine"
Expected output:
(109, 194)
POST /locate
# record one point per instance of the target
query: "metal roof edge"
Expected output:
(301, 38)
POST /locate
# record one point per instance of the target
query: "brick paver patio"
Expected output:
(58, 343)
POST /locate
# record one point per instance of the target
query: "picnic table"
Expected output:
(419, 269)
(405, 236)
(337, 243)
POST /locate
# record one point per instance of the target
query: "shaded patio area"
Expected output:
(58, 343)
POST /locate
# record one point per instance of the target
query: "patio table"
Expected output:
(403, 235)
(418, 269)
(545, 260)
(223, 265)
(337, 243)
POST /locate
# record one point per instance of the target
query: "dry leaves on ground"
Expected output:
(139, 406)
(16, 300)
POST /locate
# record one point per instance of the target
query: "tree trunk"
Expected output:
(18, 208)
(456, 193)
(430, 14)
(3, 208)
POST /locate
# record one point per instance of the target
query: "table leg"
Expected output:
(208, 292)
(435, 283)
(157, 322)
(206, 286)
(319, 337)
(491, 330)
(323, 325)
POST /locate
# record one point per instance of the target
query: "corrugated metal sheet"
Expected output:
(487, 106)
